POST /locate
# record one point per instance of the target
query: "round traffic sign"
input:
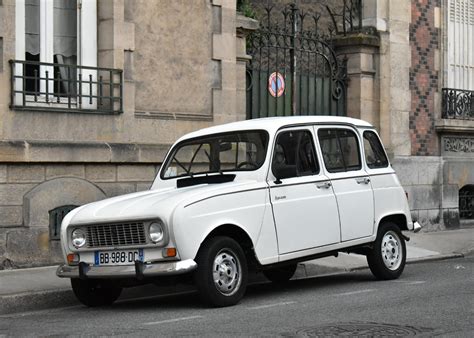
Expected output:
(276, 84)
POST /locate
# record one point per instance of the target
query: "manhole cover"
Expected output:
(361, 329)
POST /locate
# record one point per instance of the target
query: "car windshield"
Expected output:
(218, 153)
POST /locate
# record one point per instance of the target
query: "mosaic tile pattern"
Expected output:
(424, 40)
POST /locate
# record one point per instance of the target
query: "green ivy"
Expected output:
(246, 9)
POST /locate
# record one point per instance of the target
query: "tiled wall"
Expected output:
(424, 77)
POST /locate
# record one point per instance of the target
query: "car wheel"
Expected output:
(388, 256)
(280, 274)
(221, 275)
(94, 293)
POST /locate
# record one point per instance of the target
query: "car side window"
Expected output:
(294, 155)
(374, 154)
(340, 150)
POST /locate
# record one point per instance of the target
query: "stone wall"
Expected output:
(395, 83)
(29, 191)
(183, 68)
(181, 72)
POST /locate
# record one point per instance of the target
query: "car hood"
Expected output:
(150, 204)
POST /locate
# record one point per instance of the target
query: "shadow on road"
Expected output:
(185, 296)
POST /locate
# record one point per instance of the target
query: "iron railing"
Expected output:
(294, 68)
(457, 104)
(346, 16)
(42, 86)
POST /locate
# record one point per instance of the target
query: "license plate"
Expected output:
(118, 257)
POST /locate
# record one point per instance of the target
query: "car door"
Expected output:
(340, 148)
(304, 205)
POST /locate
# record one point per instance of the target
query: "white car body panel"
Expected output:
(193, 222)
(356, 206)
(318, 220)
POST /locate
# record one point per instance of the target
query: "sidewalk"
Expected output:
(421, 247)
(39, 288)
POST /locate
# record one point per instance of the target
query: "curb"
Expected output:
(315, 270)
(42, 300)
(435, 258)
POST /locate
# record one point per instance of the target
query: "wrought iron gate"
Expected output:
(294, 69)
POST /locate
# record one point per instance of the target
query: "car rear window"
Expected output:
(340, 148)
(374, 153)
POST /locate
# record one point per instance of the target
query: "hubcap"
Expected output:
(226, 272)
(391, 250)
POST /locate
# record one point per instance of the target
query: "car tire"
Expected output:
(222, 273)
(92, 293)
(280, 274)
(388, 256)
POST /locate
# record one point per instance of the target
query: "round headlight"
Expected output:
(156, 232)
(78, 238)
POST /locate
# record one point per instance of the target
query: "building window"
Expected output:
(63, 40)
(55, 66)
(32, 44)
(458, 94)
(466, 202)
(65, 45)
(460, 44)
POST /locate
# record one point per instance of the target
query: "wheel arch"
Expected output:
(239, 235)
(399, 219)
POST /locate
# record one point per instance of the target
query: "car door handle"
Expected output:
(324, 185)
(364, 180)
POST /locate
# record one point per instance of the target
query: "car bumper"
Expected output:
(140, 270)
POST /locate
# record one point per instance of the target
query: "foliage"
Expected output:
(246, 8)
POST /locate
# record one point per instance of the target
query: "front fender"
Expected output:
(192, 223)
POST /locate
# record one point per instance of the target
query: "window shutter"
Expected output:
(87, 47)
(461, 44)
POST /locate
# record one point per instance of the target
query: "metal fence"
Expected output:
(294, 69)
(41, 86)
(457, 104)
(466, 203)
(347, 17)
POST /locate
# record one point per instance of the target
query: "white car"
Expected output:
(259, 195)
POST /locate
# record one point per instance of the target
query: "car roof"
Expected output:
(273, 124)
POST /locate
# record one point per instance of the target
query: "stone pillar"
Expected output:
(362, 97)
(394, 75)
(228, 42)
(223, 51)
(116, 43)
(244, 27)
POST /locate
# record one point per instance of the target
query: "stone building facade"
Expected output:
(146, 72)
(421, 93)
(410, 70)
(178, 66)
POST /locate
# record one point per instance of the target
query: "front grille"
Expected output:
(123, 234)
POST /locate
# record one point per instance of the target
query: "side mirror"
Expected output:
(225, 146)
(282, 171)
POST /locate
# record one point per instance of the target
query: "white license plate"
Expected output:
(118, 257)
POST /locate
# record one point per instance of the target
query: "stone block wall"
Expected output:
(420, 177)
(433, 184)
(29, 191)
(183, 68)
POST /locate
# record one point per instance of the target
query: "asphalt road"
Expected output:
(433, 298)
